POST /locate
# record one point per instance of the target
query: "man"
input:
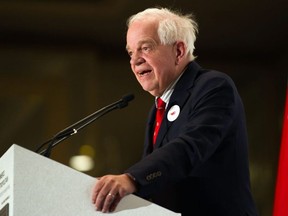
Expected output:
(195, 159)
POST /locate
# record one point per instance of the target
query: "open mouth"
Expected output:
(145, 72)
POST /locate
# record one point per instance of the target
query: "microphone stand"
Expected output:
(73, 129)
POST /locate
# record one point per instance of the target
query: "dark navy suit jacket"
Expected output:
(200, 162)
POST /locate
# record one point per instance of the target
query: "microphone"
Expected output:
(74, 128)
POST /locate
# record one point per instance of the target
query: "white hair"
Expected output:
(172, 26)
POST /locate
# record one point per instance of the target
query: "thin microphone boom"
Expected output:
(73, 129)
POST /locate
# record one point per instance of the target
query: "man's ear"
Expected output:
(180, 51)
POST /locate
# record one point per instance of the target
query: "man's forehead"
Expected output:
(140, 33)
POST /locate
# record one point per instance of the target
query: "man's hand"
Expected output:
(110, 189)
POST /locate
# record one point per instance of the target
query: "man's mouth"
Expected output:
(145, 72)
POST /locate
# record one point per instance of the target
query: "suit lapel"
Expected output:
(179, 98)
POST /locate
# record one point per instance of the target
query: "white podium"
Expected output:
(33, 185)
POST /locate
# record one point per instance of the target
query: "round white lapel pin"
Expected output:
(173, 113)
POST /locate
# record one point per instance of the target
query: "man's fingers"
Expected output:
(109, 190)
(96, 190)
(100, 199)
(110, 198)
(115, 203)
(106, 202)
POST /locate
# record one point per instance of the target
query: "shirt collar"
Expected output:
(168, 92)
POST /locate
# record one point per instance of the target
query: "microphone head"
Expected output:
(128, 97)
(124, 101)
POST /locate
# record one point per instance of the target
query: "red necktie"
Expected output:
(159, 116)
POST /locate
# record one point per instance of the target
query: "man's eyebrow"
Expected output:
(151, 41)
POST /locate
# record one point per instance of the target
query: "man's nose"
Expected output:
(136, 60)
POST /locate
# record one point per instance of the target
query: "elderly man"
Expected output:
(195, 159)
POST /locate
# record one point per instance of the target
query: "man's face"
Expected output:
(153, 64)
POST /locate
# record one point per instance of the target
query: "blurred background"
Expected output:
(63, 60)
